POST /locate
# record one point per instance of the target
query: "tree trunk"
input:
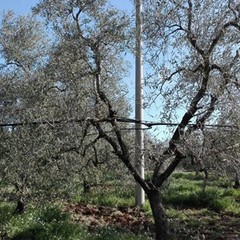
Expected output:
(86, 186)
(20, 207)
(205, 171)
(237, 183)
(159, 215)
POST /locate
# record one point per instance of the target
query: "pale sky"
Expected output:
(18, 6)
(24, 6)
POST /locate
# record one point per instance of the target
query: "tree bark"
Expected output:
(86, 186)
(159, 215)
(237, 183)
(19, 208)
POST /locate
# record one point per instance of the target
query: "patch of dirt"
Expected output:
(196, 225)
(100, 216)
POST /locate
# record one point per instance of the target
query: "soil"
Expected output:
(215, 226)
(93, 216)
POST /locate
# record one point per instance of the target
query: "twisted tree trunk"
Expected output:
(159, 215)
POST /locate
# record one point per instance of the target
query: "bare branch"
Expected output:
(191, 37)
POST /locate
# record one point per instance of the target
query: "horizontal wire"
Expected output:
(148, 124)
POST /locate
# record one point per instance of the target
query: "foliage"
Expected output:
(47, 91)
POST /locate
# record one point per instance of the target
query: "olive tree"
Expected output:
(47, 93)
(193, 49)
(191, 53)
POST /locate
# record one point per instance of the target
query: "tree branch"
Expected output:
(191, 37)
(160, 179)
(221, 34)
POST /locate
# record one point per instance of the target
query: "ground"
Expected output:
(191, 223)
(107, 213)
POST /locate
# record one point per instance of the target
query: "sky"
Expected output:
(19, 6)
(24, 6)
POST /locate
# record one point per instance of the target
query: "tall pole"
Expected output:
(139, 158)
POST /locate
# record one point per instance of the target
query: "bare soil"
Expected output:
(99, 216)
(196, 225)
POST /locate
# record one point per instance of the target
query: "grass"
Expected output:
(191, 210)
(52, 224)
(185, 190)
(110, 195)
(49, 222)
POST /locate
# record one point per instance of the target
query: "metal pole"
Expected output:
(139, 158)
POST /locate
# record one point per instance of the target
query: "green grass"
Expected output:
(188, 176)
(111, 195)
(52, 224)
(186, 190)
(6, 210)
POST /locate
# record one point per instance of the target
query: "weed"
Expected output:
(108, 196)
(183, 192)
(188, 175)
(6, 210)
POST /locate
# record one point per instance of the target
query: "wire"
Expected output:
(148, 124)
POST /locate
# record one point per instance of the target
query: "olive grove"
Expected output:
(47, 94)
(64, 88)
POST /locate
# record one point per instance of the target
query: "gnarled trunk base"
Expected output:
(159, 215)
